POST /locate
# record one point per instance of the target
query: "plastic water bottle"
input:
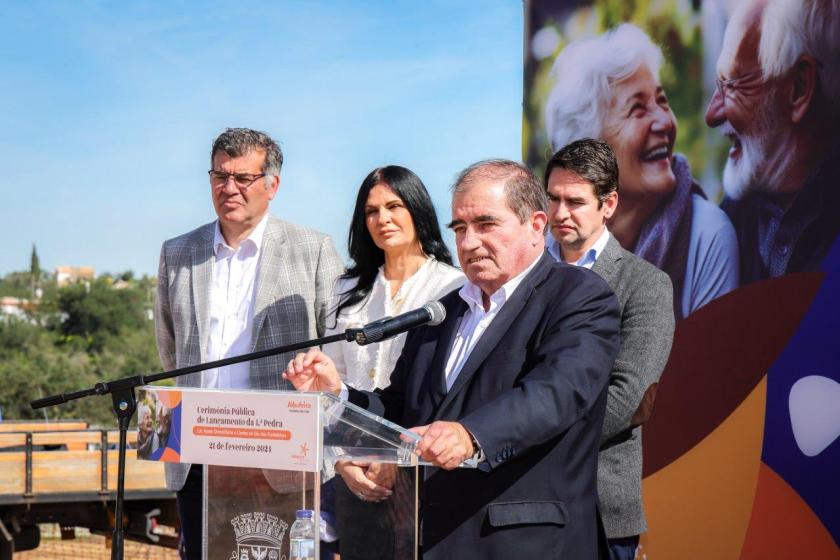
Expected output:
(302, 536)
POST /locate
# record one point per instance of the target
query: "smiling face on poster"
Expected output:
(725, 119)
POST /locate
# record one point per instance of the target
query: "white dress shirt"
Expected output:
(588, 259)
(473, 325)
(369, 367)
(476, 321)
(232, 307)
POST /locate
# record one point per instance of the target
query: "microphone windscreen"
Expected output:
(437, 311)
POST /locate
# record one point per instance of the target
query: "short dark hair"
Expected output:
(237, 142)
(366, 256)
(591, 160)
(523, 193)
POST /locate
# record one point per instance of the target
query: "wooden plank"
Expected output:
(13, 467)
(23, 426)
(77, 441)
(76, 469)
(139, 475)
(12, 440)
(74, 440)
(65, 471)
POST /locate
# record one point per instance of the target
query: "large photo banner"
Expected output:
(724, 119)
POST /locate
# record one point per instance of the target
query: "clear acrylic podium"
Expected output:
(249, 512)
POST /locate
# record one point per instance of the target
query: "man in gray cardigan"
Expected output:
(582, 184)
(245, 282)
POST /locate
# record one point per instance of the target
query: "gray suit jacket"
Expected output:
(647, 330)
(295, 277)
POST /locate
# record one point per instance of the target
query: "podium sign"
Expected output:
(267, 454)
(234, 428)
(249, 512)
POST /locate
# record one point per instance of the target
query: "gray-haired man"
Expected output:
(244, 282)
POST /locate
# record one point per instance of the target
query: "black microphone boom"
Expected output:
(125, 402)
(433, 313)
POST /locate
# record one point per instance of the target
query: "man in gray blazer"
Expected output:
(244, 282)
(582, 185)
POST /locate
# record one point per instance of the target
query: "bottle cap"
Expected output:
(304, 514)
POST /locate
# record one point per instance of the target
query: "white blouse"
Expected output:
(369, 367)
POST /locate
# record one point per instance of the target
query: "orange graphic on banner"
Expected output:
(246, 433)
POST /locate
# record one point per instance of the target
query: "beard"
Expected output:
(766, 155)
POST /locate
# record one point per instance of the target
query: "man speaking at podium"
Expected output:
(516, 375)
(245, 282)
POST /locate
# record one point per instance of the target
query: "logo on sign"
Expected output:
(300, 405)
(259, 536)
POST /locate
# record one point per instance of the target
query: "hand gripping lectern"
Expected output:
(268, 454)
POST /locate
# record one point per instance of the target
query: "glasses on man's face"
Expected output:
(728, 88)
(242, 180)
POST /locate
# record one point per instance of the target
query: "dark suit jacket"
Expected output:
(647, 330)
(533, 393)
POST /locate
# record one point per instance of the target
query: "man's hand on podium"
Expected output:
(444, 444)
(313, 371)
(370, 482)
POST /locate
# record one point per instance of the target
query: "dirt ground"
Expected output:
(89, 547)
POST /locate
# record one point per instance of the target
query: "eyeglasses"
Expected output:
(242, 180)
(727, 88)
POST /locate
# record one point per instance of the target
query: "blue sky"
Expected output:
(109, 110)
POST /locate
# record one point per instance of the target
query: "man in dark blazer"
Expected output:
(515, 375)
(582, 185)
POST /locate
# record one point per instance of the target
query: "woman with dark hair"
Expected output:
(400, 263)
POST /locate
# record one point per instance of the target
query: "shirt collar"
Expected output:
(471, 293)
(254, 239)
(589, 257)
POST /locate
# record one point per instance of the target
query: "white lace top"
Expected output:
(369, 367)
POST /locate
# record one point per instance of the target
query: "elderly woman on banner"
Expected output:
(608, 87)
(400, 263)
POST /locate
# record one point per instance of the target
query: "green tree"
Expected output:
(93, 312)
(78, 336)
(16, 284)
(31, 367)
(35, 270)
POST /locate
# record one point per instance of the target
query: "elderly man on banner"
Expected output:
(778, 101)
(516, 375)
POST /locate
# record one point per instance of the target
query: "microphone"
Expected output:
(433, 313)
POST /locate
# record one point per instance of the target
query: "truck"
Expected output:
(65, 472)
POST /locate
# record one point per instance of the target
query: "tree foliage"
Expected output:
(78, 336)
(94, 312)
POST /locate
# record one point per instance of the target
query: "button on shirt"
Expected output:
(588, 259)
(232, 307)
(476, 321)
(473, 325)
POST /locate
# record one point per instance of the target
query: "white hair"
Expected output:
(584, 73)
(143, 410)
(791, 28)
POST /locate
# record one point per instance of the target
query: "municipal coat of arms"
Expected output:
(259, 536)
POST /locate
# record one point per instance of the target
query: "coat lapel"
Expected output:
(606, 265)
(202, 278)
(268, 281)
(494, 334)
(436, 382)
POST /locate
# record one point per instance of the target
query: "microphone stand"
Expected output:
(125, 404)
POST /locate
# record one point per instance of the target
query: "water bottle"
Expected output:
(302, 536)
